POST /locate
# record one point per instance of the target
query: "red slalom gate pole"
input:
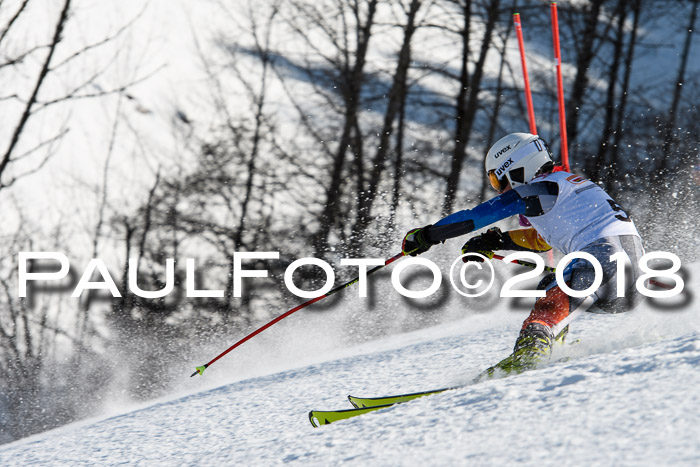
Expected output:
(551, 269)
(200, 369)
(560, 88)
(526, 79)
(528, 92)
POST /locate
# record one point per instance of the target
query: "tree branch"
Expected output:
(5, 160)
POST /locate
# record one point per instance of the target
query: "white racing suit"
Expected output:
(571, 214)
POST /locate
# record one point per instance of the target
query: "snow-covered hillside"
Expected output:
(627, 395)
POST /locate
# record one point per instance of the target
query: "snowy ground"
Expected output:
(628, 395)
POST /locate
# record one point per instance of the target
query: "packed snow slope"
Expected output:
(626, 394)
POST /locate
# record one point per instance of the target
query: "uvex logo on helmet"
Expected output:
(501, 152)
(502, 169)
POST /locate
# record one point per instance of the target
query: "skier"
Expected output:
(566, 212)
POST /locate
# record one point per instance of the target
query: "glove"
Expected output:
(486, 243)
(417, 242)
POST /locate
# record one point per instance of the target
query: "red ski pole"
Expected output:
(560, 88)
(200, 369)
(526, 79)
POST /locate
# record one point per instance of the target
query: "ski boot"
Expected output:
(534, 346)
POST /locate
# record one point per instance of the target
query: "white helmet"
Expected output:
(519, 157)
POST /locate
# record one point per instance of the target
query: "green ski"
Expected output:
(362, 402)
(321, 417)
(364, 405)
(509, 365)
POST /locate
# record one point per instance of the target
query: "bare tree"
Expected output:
(599, 164)
(35, 333)
(6, 157)
(467, 99)
(620, 119)
(53, 372)
(670, 127)
(33, 103)
(396, 96)
(585, 47)
(350, 64)
(490, 139)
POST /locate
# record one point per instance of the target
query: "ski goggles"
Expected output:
(498, 184)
